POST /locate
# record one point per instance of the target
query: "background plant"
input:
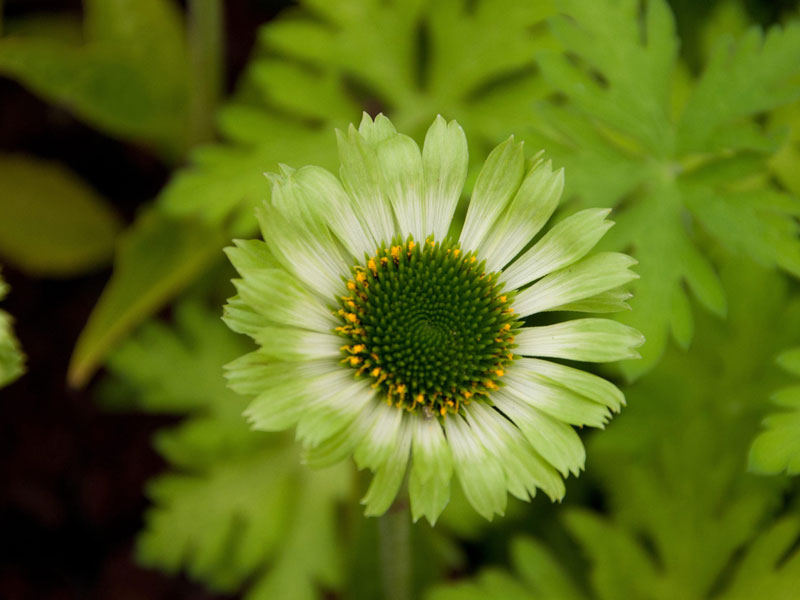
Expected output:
(683, 117)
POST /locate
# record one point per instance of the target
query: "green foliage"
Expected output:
(685, 520)
(129, 77)
(51, 222)
(316, 69)
(778, 447)
(155, 259)
(681, 160)
(11, 358)
(238, 509)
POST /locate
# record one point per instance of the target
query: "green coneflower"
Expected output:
(389, 332)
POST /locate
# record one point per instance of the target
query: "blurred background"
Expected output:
(141, 175)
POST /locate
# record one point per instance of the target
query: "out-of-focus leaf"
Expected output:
(11, 357)
(156, 259)
(777, 448)
(239, 509)
(128, 78)
(51, 222)
(677, 161)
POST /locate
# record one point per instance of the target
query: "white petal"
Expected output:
(341, 212)
(276, 295)
(292, 343)
(588, 385)
(525, 469)
(444, 164)
(587, 277)
(360, 175)
(429, 482)
(593, 340)
(554, 400)
(389, 476)
(556, 441)
(400, 163)
(565, 243)
(497, 183)
(530, 209)
(379, 436)
(479, 473)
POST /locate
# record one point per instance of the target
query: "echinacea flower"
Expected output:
(392, 332)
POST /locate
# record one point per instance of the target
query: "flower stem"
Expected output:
(395, 552)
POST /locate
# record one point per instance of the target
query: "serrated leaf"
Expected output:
(680, 173)
(52, 224)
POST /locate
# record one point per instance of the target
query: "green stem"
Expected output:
(205, 42)
(395, 552)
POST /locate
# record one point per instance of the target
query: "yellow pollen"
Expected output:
(351, 317)
(506, 326)
(358, 348)
(371, 265)
(411, 245)
(401, 389)
(375, 372)
(456, 252)
(490, 384)
(395, 251)
(467, 394)
(500, 372)
(503, 298)
(419, 399)
(351, 304)
(375, 357)
(384, 260)
(355, 360)
(351, 285)
(472, 259)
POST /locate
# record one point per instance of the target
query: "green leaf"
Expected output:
(156, 259)
(777, 448)
(239, 509)
(128, 78)
(51, 222)
(11, 357)
(681, 173)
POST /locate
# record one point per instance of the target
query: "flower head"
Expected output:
(390, 331)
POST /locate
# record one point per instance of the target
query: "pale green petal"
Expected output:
(557, 442)
(335, 402)
(276, 295)
(283, 389)
(479, 473)
(497, 183)
(251, 254)
(336, 448)
(291, 343)
(588, 277)
(361, 178)
(559, 402)
(339, 208)
(376, 131)
(564, 244)
(379, 435)
(432, 470)
(611, 301)
(593, 340)
(388, 478)
(525, 469)
(530, 209)
(588, 385)
(400, 163)
(241, 318)
(296, 231)
(444, 165)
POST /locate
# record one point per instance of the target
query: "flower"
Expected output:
(389, 331)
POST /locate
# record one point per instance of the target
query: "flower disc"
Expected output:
(428, 325)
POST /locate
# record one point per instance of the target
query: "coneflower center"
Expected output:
(428, 325)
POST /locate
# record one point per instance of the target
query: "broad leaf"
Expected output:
(51, 223)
